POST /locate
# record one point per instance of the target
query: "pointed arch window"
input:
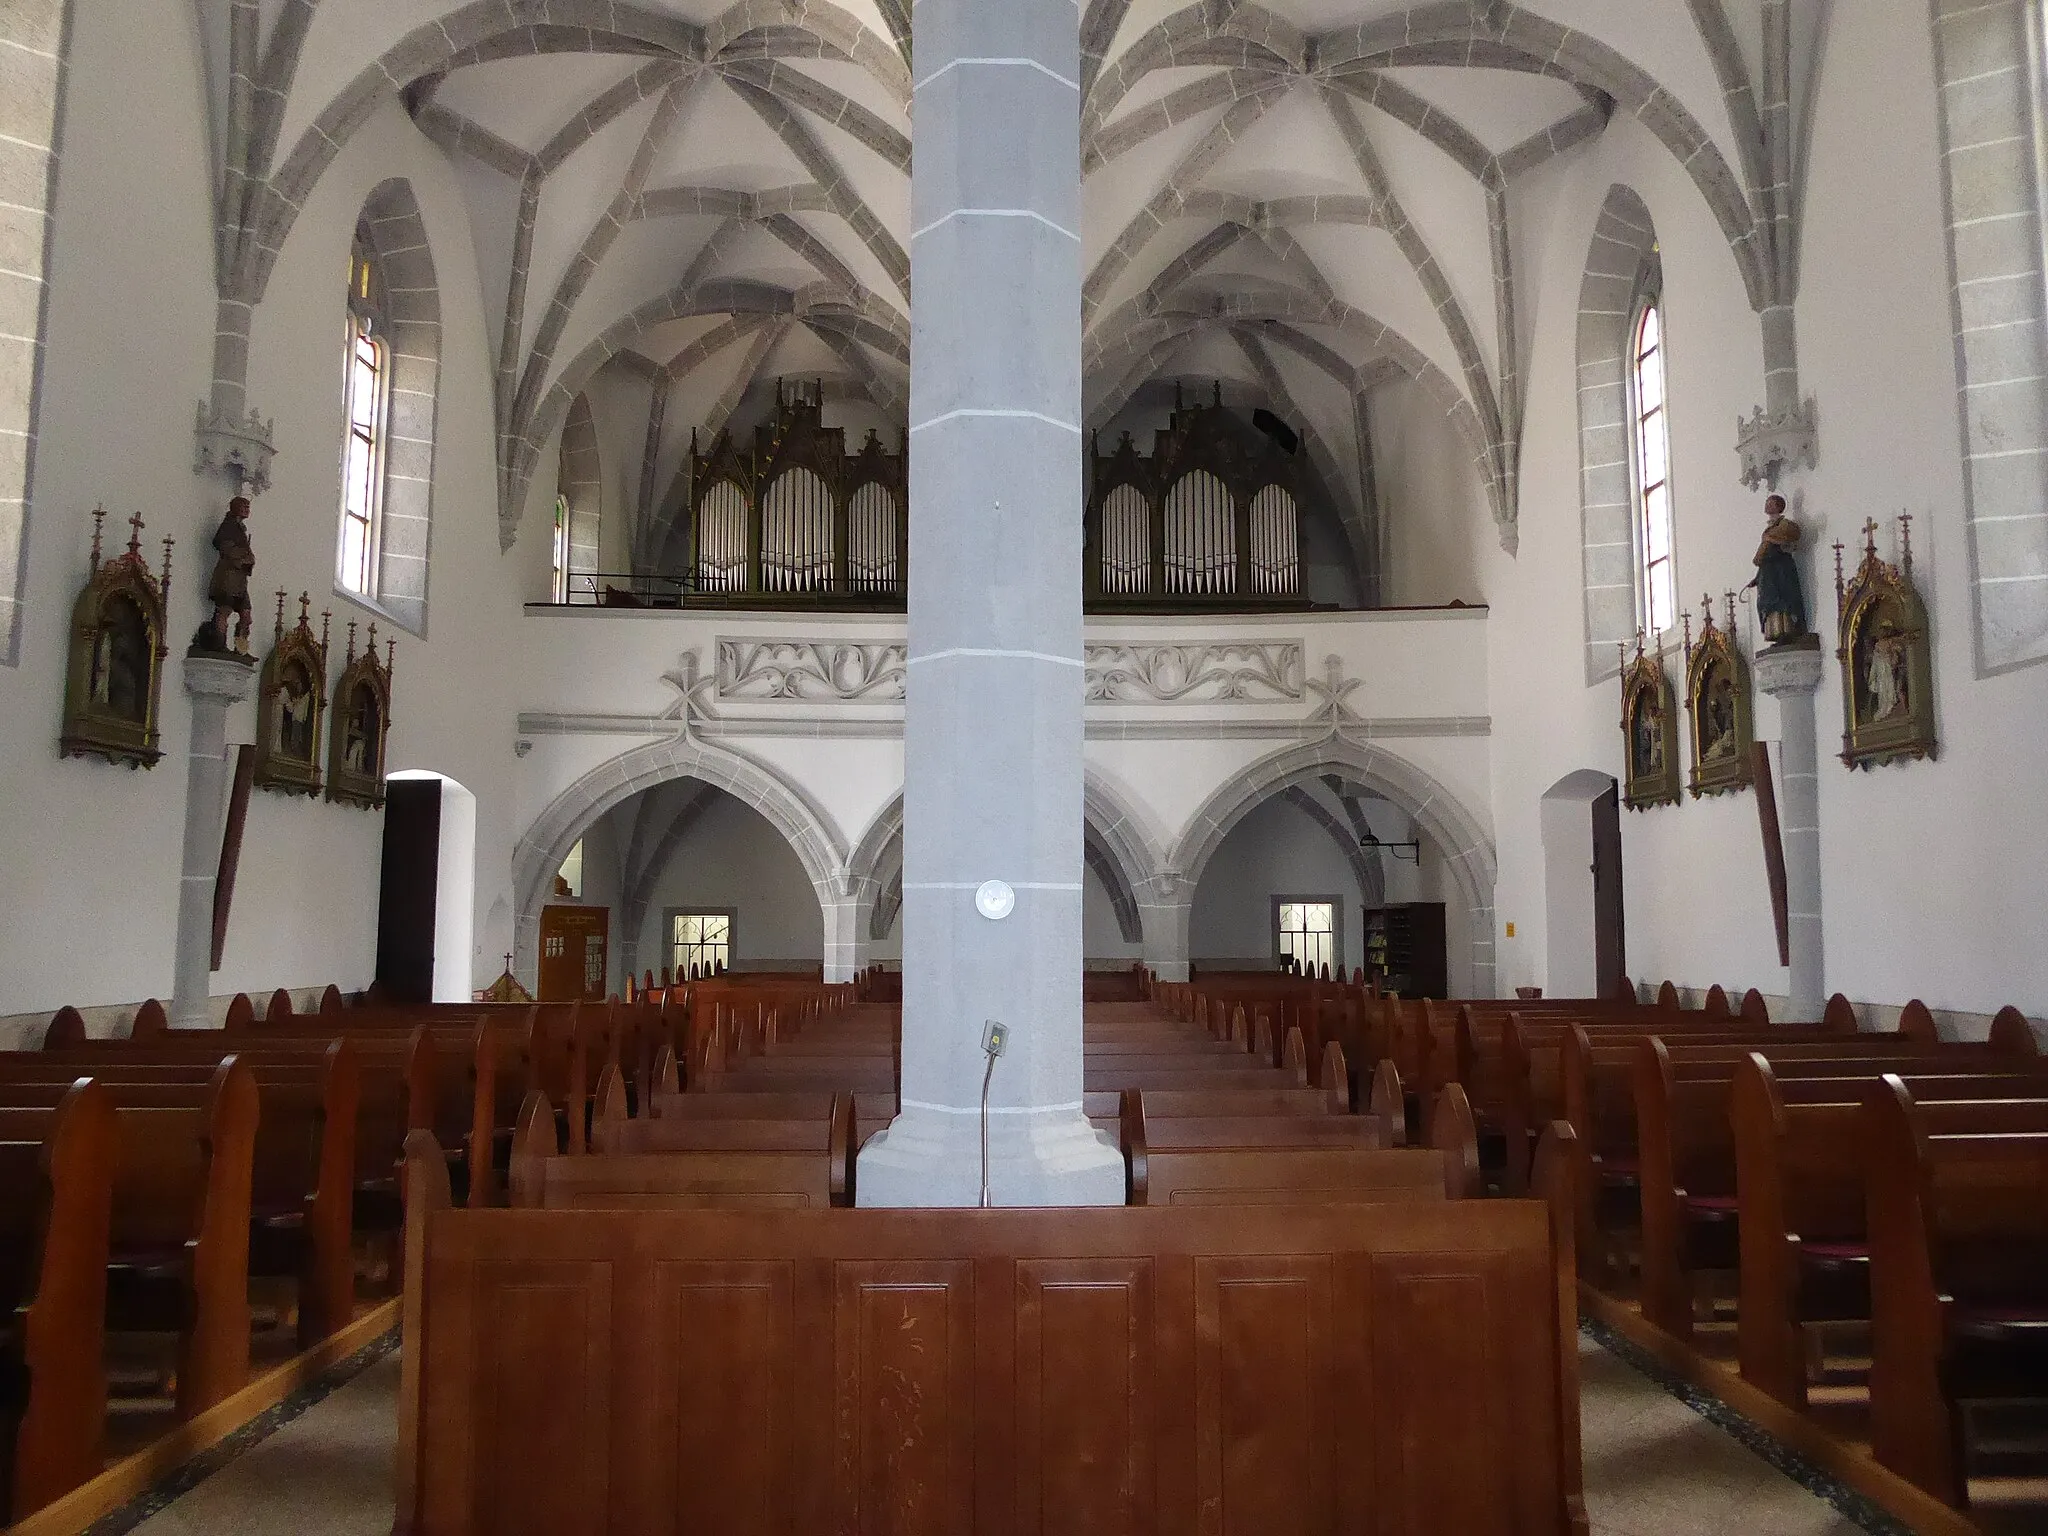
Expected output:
(368, 392)
(1658, 584)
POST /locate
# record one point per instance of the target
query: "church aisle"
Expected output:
(1652, 1466)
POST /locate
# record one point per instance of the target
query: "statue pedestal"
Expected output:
(215, 681)
(1791, 673)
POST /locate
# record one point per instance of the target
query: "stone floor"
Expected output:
(1654, 1467)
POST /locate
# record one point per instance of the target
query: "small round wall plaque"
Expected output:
(994, 900)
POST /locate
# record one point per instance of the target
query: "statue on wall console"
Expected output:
(228, 590)
(1780, 598)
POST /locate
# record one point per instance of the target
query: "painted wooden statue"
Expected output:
(1780, 599)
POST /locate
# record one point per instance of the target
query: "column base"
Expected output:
(1046, 1157)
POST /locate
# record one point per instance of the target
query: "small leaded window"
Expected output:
(1307, 934)
(700, 943)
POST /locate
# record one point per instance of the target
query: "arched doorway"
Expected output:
(1584, 939)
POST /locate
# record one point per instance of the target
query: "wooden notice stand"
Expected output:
(575, 953)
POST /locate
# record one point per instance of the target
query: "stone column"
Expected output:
(992, 731)
(1165, 907)
(846, 934)
(214, 683)
(1791, 674)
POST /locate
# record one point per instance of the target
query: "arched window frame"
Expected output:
(1650, 477)
(366, 421)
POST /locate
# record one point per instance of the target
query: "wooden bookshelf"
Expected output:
(1405, 950)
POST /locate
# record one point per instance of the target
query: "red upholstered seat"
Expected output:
(1835, 1253)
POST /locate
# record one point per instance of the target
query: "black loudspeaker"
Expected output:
(1278, 430)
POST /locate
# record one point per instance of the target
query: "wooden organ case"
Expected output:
(795, 516)
(1211, 518)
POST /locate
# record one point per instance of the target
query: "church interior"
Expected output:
(1287, 791)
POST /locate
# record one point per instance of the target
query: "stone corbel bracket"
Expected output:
(236, 447)
(1769, 445)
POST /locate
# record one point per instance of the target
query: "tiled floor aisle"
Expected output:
(1653, 1468)
(1656, 1468)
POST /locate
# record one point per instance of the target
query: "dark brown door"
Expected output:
(1610, 950)
(407, 897)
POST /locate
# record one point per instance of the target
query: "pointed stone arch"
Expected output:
(1118, 845)
(1460, 833)
(807, 828)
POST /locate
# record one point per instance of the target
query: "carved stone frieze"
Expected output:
(814, 671)
(1257, 672)
(873, 672)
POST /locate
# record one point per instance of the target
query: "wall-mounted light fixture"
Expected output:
(1371, 843)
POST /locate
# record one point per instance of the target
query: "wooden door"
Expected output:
(1610, 949)
(409, 890)
(575, 947)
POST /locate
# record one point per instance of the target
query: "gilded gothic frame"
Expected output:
(362, 722)
(113, 691)
(1719, 706)
(1649, 731)
(1886, 656)
(291, 706)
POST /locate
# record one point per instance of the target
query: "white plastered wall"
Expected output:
(91, 907)
(1931, 871)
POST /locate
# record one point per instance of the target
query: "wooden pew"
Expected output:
(56, 1195)
(1268, 1159)
(795, 1164)
(725, 1370)
(178, 1237)
(1802, 1158)
(303, 1160)
(1958, 1213)
(1686, 1146)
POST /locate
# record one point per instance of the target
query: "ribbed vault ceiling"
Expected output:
(1313, 196)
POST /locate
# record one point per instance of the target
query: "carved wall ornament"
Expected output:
(114, 684)
(1649, 730)
(1719, 704)
(1886, 655)
(291, 705)
(1769, 444)
(239, 447)
(830, 671)
(1333, 693)
(362, 722)
(1249, 673)
(875, 672)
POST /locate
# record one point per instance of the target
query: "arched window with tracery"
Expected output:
(1648, 398)
(368, 392)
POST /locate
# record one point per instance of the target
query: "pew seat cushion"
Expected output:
(1711, 1207)
(1617, 1170)
(2000, 1325)
(1834, 1253)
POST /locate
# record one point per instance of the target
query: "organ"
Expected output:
(1211, 518)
